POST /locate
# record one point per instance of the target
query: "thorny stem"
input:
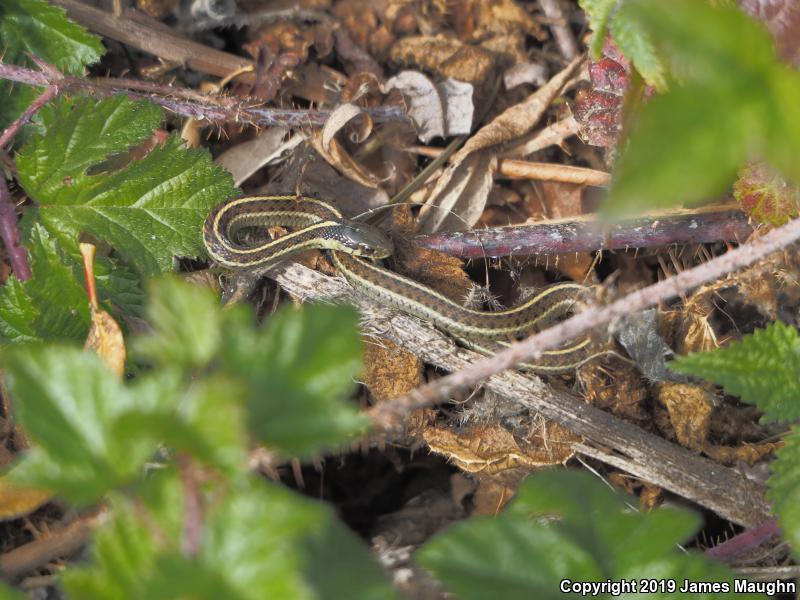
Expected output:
(45, 97)
(747, 540)
(210, 108)
(387, 413)
(17, 253)
(586, 234)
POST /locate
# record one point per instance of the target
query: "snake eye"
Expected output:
(366, 249)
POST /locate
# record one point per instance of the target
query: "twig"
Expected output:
(716, 487)
(533, 346)
(523, 169)
(192, 507)
(561, 31)
(17, 253)
(586, 234)
(188, 103)
(61, 543)
(164, 44)
(48, 94)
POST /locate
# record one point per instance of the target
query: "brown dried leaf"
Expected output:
(105, 339)
(690, 409)
(746, 453)
(440, 271)
(390, 371)
(446, 57)
(651, 496)
(445, 208)
(105, 336)
(244, 159)
(619, 390)
(493, 449)
(17, 501)
(308, 174)
(334, 153)
(442, 109)
(460, 201)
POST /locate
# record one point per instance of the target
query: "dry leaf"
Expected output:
(690, 409)
(442, 109)
(308, 174)
(459, 203)
(466, 174)
(446, 57)
(493, 449)
(525, 73)
(105, 336)
(334, 153)
(17, 501)
(746, 453)
(244, 159)
(390, 371)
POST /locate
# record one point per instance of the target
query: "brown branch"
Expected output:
(711, 485)
(533, 346)
(523, 169)
(586, 234)
(58, 544)
(187, 103)
(165, 44)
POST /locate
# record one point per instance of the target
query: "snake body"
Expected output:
(320, 225)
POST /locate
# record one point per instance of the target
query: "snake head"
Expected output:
(365, 240)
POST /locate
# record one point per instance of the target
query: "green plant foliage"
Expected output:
(149, 210)
(565, 525)
(43, 30)
(299, 369)
(68, 403)
(730, 100)
(52, 305)
(763, 369)
(294, 373)
(208, 424)
(187, 325)
(256, 542)
(631, 39)
(784, 488)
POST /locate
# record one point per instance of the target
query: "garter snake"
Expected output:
(319, 225)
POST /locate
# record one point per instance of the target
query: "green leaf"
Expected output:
(43, 30)
(67, 401)
(598, 13)
(256, 541)
(149, 210)
(207, 425)
(300, 368)
(52, 305)
(763, 369)
(563, 525)
(682, 148)
(734, 101)
(784, 488)
(126, 548)
(632, 40)
(186, 321)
